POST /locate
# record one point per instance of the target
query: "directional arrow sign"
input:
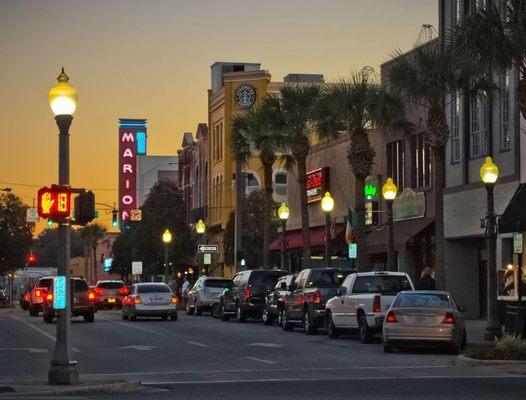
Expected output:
(138, 347)
(207, 248)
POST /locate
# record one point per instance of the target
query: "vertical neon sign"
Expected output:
(132, 141)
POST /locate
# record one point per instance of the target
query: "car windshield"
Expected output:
(324, 278)
(218, 283)
(263, 279)
(80, 285)
(153, 289)
(45, 283)
(387, 284)
(110, 285)
(424, 300)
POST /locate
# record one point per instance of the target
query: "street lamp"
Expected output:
(489, 174)
(63, 102)
(389, 191)
(327, 204)
(167, 239)
(283, 214)
(200, 228)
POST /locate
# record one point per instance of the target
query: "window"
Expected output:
(505, 136)
(220, 153)
(395, 163)
(389, 284)
(422, 300)
(422, 162)
(455, 127)
(280, 187)
(478, 127)
(153, 288)
(326, 278)
(252, 183)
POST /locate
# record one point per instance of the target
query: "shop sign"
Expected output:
(409, 205)
(517, 243)
(317, 184)
(371, 188)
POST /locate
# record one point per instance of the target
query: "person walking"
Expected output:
(185, 289)
(426, 280)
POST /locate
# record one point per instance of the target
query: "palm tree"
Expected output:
(353, 107)
(293, 113)
(495, 39)
(91, 234)
(253, 134)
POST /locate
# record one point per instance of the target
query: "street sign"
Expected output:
(353, 250)
(517, 243)
(207, 258)
(136, 267)
(32, 215)
(59, 292)
(107, 264)
(208, 248)
(136, 215)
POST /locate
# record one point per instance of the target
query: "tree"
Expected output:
(253, 134)
(15, 233)
(353, 107)
(122, 255)
(253, 214)
(294, 113)
(494, 38)
(92, 234)
(46, 247)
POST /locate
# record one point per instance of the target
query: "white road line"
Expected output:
(197, 343)
(261, 360)
(42, 332)
(133, 326)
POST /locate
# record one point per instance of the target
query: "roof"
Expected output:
(513, 219)
(188, 139)
(382, 273)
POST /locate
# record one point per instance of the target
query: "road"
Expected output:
(204, 358)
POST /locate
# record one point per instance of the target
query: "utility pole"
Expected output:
(240, 196)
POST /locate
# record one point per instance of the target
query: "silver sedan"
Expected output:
(421, 317)
(150, 300)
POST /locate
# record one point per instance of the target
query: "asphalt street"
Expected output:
(205, 358)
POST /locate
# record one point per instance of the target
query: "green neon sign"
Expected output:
(371, 191)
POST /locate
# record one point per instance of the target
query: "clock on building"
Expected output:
(245, 95)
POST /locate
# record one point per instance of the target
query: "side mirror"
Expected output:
(283, 286)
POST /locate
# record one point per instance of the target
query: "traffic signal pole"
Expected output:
(63, 369)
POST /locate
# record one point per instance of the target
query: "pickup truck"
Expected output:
(362, 302)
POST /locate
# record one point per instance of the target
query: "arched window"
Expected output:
(280, 187)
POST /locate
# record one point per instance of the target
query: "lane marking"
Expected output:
(133, 326)
(197, 343)
(261, 344)
(31, 350)
(42, 332)
(138, 347)
(261, 360)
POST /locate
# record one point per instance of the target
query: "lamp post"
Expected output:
(283, 214)
(389, 191)
(489, 174)
(200, 228)
(167, 239)
(327, 204)
(63, 102)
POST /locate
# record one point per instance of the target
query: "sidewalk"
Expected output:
(475, 331)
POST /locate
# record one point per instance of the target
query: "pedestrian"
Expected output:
(426, 280)
(185, 289)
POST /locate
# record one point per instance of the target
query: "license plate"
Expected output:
(111, 300)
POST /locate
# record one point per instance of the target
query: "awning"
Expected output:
(402, 232)
(317, 236)
(514, 217)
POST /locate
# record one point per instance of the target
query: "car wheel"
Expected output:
(286, 324)
(48, 318)
(265, 317)
(33, 311)
(124, 316)
(388, 348)
(309, 324)
(240, 315)
(332, 331)
(89, 317)
(224, 316)
(173, 317)
(364, 332)
(189, 310)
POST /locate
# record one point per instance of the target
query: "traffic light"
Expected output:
(114, 219)
(84, 207)
(54, 202)
(49, 222)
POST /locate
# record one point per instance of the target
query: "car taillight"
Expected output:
(449, 319)
(137, 300)
(316, 297)
(390, 318)
(49, 297)
(91, 295)
(38, 293)
(377, 305)
(26, 297)
(174, 299)
(248, 293)
(99, 291)
(123, 291)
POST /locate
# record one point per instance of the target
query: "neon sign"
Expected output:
(317, 184)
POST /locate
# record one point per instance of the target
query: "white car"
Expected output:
(362, 302)
(150, 300)
(205, 292)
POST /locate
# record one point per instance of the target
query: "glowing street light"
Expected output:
(200, 227)
(283, 214)
(167, 239)
(327, 204)
(389, 192)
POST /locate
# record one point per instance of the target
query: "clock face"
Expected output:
(245, 95)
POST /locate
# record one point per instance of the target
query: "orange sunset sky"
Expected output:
(151, 59)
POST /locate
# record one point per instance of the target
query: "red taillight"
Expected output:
(49, 297)
(248, 293)
(137, 300)
(26, 297)
(449, 319)
(38, 293)
(390, 318)
(123, 291)
(99, 291)
(377, 305)
(316, 297)
(91, 295)
(174, 299)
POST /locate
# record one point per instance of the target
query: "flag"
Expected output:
(349, 235)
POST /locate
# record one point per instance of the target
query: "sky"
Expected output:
(151, 59)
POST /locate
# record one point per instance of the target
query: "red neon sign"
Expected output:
(54, 202)
(317, 184)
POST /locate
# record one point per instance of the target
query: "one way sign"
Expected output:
(207, 248)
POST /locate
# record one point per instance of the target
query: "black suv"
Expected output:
(246, 298)
(305, 304)
(274, 301)
(82, 301)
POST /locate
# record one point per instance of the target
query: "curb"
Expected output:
(472, 362)
(117, 387)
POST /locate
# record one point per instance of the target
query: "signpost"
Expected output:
(353, 250)
(136, 215)
(136, 267)
(517, 243)
(207, 258)
(59, 292)
(207, 248)
(32, 215)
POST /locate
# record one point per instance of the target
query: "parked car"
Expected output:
(205, 292)
(109, 294)
(4, 297)
(424, 318)
(274, 309)
(246, 298)
(150, 300)
(38, 293)
(82, 301)
(362, 302)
